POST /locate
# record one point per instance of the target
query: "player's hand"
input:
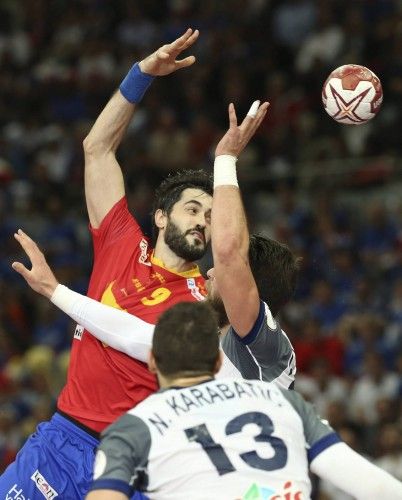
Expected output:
(238, 136)
(163, 61)
(40, 278)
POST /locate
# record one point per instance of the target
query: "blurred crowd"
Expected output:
(60, 60)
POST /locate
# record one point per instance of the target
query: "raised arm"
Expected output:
(229, 231)
(116, 328)
(104, 184)
(333, 460)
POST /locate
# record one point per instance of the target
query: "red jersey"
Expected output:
(103, 383)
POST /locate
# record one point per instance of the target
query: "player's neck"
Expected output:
(182, 381)
(169, 259)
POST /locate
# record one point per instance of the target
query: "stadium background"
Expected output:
(332, 192)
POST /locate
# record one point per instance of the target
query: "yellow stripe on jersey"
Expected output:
(191, 273)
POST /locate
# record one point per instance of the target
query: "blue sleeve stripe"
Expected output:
(322, 444)
(112, 484)
(256, 328)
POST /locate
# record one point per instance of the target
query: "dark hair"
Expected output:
(275, 269)
(169, 191)
(186, 340)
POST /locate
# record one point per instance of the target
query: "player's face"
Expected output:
(215, 299)
(188, 228)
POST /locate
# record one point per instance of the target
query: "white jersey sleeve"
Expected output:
(118, 329)
(326, 449)
(265, 353)
(354, 474)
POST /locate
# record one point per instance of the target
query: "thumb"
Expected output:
(21, 269)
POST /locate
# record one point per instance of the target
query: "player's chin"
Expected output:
(197, 241)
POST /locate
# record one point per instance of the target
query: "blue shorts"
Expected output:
(56, 461)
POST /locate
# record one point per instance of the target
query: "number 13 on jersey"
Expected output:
(218, 456)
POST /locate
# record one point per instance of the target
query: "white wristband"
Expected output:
(225, 171)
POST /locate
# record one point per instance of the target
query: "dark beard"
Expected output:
(219, 309)
(177, 242)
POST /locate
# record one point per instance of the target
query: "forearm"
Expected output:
(117, 329)
(230, 244)
(104, 183)
(354, 474)
(110, 126)
(229, 230)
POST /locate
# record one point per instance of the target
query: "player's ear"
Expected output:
(160, 219)
(219, 361)
(151, 362)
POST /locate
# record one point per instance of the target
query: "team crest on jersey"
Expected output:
(193, 287)
(143, 258)
(43, 486)
(78, 332)
(257, 492)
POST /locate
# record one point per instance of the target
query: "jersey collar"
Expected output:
(191, 273)
(178, 387)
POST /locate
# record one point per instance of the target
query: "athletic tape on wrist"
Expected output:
(225, 171)
(135, 84)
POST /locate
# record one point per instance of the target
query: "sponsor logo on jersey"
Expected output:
(43, 486)
(79, 330)
(193, 287)
(143, 258)
(15, 494)
(257, 492)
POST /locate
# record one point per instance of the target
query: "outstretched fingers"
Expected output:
(262, 111)
(21, 269)
(252, 112)
(186, 40)
(232, 116)
(182, 43)
(184, 63)
(28, 245)
(254, 118)
(172, 50)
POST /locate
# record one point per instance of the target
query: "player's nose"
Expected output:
(201, 219)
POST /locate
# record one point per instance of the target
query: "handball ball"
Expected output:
(352, 94)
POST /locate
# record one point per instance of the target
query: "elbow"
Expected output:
(89, 145)
(228, 248)
(93, 147)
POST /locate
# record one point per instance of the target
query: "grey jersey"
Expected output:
(223, 439)
(264, 354)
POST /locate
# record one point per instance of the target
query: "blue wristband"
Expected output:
(135, 84)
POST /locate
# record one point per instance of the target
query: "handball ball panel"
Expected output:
(352, 94)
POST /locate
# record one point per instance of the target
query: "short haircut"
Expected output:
(186, 340)
(170, 190)
(275, 269)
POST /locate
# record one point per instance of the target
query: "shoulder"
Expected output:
(128, 424)
(266, 328)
